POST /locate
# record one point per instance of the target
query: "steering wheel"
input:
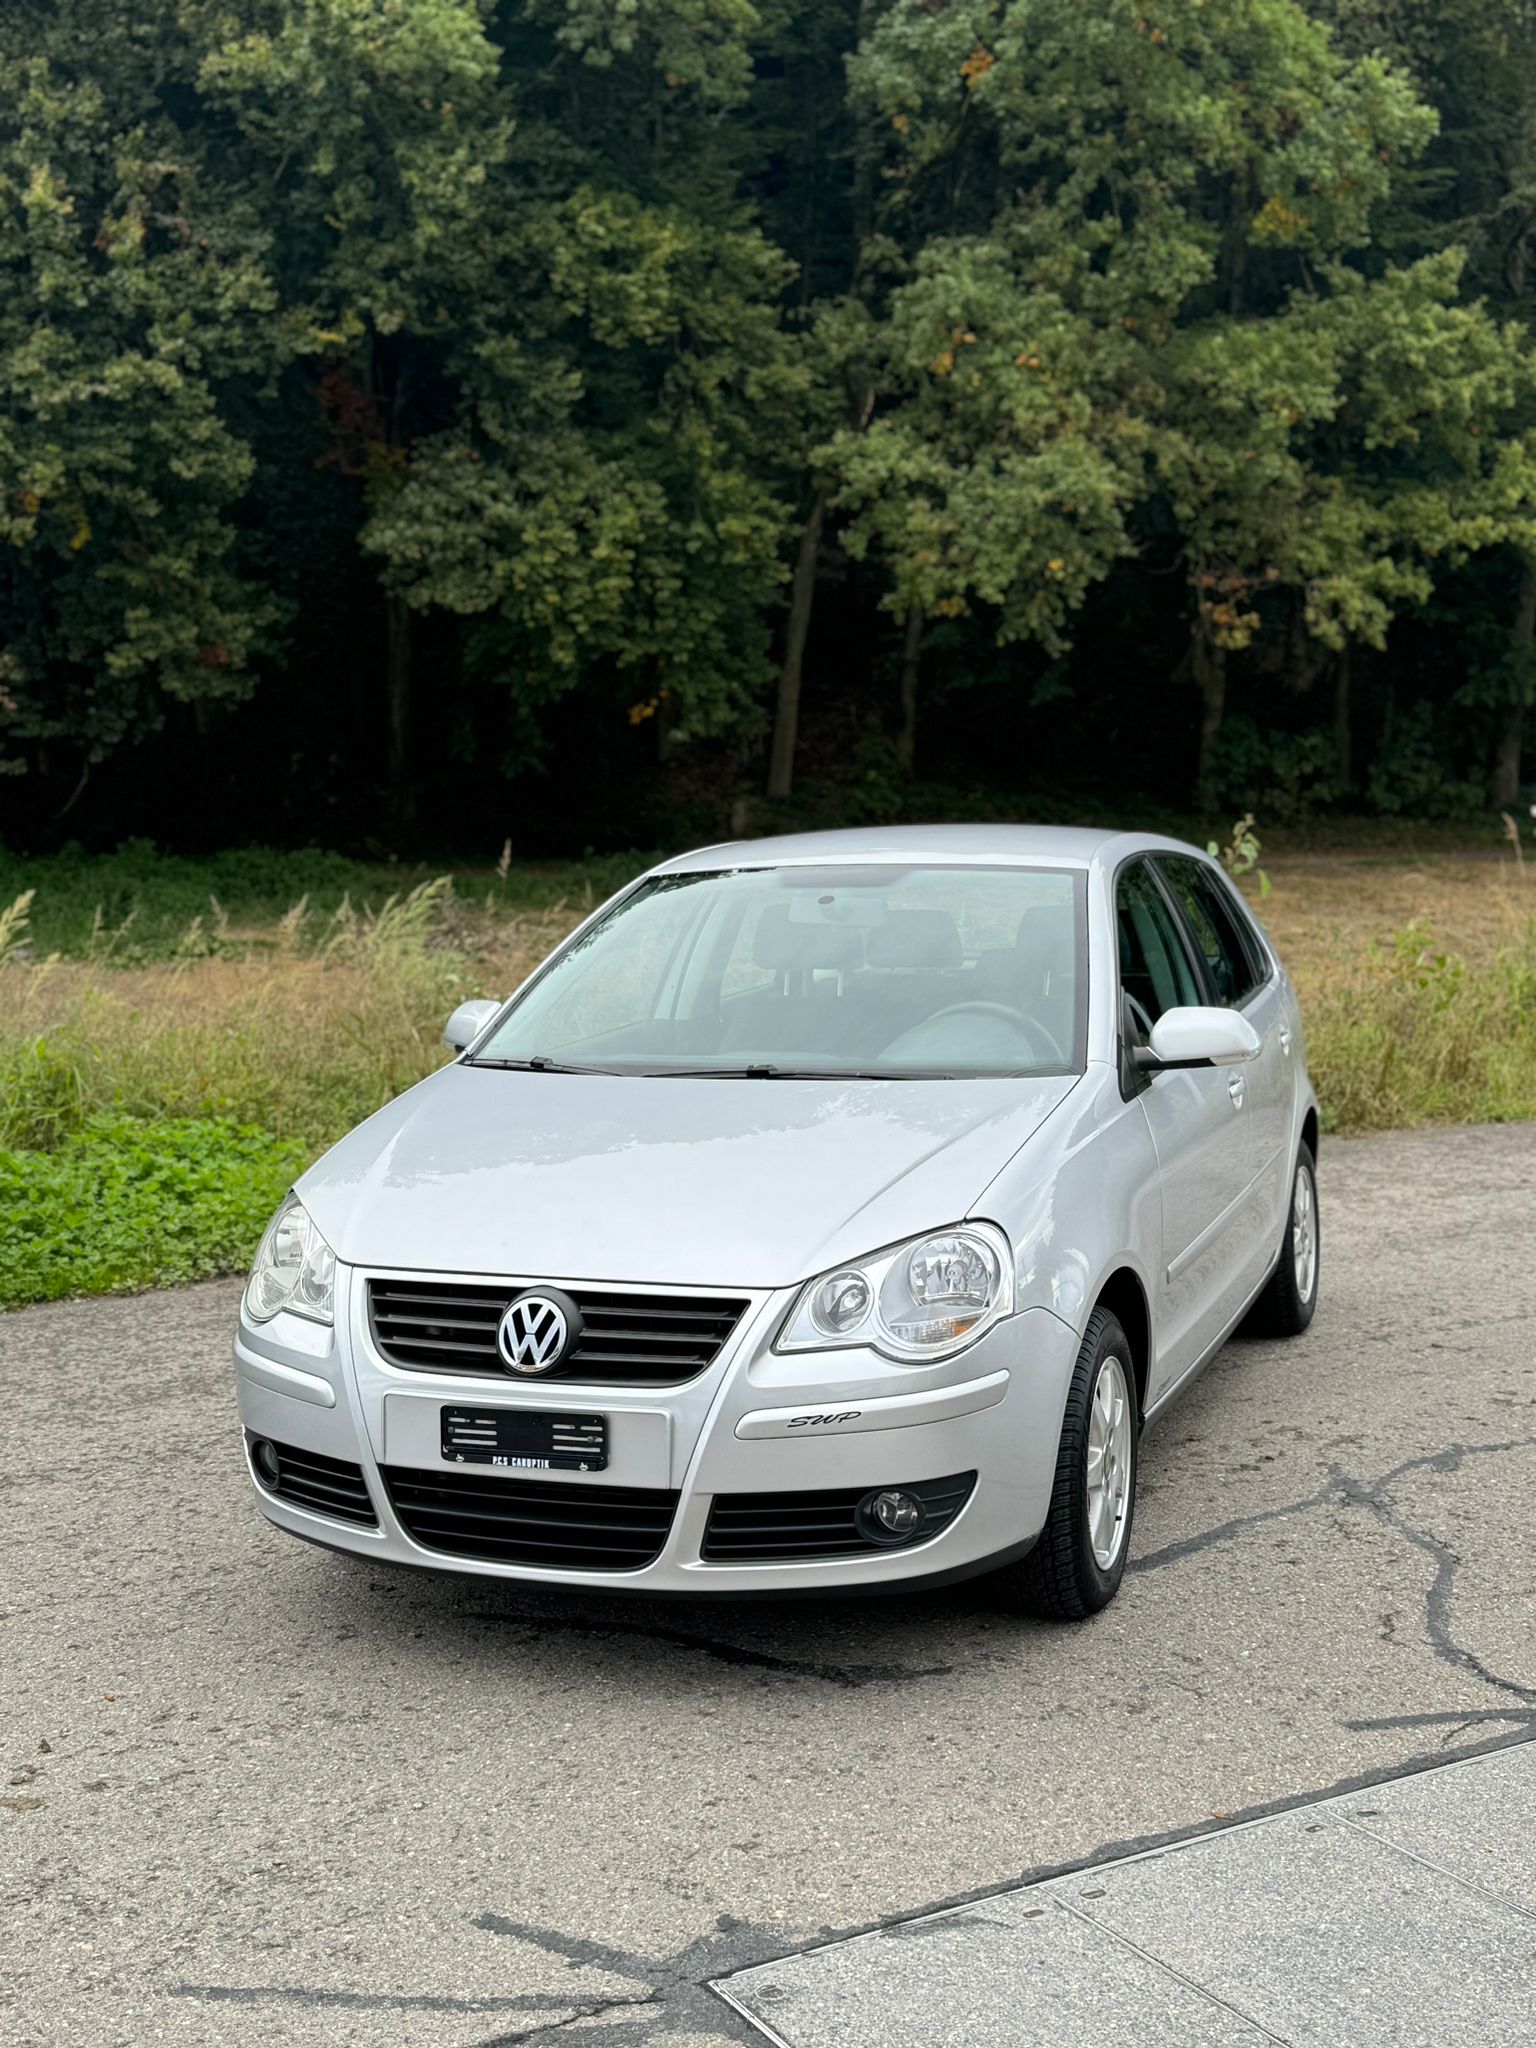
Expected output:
(1035, 1034)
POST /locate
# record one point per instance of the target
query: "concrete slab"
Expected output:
(1012, 1979)
(1333, 1925)
(1478, 1825)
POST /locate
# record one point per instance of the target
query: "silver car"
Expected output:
(826, 1212)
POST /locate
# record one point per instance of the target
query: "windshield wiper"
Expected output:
(542, 1064)
(763, 1070)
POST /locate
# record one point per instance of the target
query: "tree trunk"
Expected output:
(1505, 787)
(786, 717)
(906, 732)
(1208, 666)
(1342, 753)
(397, 687)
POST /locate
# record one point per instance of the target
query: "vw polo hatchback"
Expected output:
(827, 1212)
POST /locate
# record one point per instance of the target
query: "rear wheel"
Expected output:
(1079, 1561)
(1289, 1301)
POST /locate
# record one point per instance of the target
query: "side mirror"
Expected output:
(1197, 1036)
(468, 1021)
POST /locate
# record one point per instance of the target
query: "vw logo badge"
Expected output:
(537, 1331)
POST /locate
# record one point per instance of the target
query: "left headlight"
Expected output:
(295, 1269)
(915, 1301)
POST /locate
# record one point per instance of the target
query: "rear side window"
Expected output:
(1155, 968)
(1233, 964)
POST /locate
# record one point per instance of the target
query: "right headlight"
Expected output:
(913, 1302)
(294, 1269)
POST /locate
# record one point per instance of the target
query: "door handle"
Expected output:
(1285, 1039)
(1235, 1090)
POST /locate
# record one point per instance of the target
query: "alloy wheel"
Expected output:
(1109, 1463)
(1304, 1234)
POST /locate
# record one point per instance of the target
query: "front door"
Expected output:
(1240, 974)
(1198, 1118)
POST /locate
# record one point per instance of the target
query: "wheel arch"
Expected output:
(1309, 1130)
(1123, 1294)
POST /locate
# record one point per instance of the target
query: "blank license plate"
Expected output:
(525, 1440)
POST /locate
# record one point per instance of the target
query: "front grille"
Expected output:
(513, 1521)
(326, 1486)
(755, 1526)
(627, 1339)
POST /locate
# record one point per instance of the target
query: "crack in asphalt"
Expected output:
(365, 2001)
(1437, 1600)
(677, 1993)
(848, 1676)
(1455, 1719)
(1344, 1489)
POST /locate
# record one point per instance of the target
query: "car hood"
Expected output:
(707, 1183)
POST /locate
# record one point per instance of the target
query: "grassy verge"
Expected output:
(125, 1202)
(160, 1084)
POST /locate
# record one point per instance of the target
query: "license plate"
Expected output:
(525, 1440)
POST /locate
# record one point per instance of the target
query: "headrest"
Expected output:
(786, 947)
(915, 939)
(1046, 930)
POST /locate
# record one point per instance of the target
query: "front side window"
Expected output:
(1231, 965)
(1156, 972)
(885, 969)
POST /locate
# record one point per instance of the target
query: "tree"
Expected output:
(1169, 313)
(137, 287)
(1475, 60)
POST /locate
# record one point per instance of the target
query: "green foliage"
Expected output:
(1163, 311)
(445, 376)
(1411, 772)
(135, 287)
(124, 1203)
(1285, 776)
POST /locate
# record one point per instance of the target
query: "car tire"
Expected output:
(1066, 1577)
(1289, 1300)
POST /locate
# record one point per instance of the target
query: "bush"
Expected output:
(127, 1203)
(1282, 776)
(1410, 773)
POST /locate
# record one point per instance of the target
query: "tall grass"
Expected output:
(1413, 1033)
(301, 1036)
(139, 905)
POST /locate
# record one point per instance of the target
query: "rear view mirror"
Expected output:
(1197, 1036)
(468, 1021)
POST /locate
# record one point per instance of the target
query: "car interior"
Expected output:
(904, 991)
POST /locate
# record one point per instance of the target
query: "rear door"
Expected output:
(1240, 973)
(1198, 1119)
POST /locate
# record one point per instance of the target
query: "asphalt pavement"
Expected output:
(257, 1793)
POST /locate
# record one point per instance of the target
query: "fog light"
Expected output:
(264, 1458)
(890, 1516)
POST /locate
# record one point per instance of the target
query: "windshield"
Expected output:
(888, 971)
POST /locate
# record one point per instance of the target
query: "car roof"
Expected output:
(1063, 845)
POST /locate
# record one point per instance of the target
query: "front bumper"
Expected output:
(738, 1429)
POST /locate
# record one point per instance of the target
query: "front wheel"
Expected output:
(1289, 1300)
(1079, 1561)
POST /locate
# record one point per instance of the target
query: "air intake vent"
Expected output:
(627, 1339)
(575, 1527)
(755, 1526)
(305, 1479)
